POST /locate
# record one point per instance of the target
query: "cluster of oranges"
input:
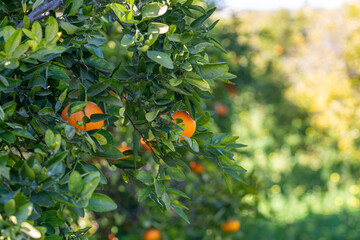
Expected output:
(75, 120)
(229, 226)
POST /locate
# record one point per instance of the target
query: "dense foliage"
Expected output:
(51, 57)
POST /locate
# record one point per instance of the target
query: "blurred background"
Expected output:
(296, 104)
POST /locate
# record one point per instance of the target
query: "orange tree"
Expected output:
(60, 100)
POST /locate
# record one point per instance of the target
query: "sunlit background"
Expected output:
(237, 5)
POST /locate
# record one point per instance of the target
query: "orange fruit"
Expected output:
(111, 236)
(221, 109)
(189, 123)
(144, 145)
(114, 93)
(196, 167)
(231, 89)
(123, 149)
(231, 226)
(152, 234)
(90, 109)
(278, 49)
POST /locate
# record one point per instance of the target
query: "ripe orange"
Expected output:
(278, 49)
(152, 234)
(90, 109)
(111, 236)
(231, 89)
(230, 226)
(114, 93)
(189, 125)
(144, 145)
(221, 109)
(123, 149)
(196, 167)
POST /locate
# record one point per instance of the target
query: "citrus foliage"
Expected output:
(51, 62)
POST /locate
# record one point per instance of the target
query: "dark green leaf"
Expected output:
(101, 203)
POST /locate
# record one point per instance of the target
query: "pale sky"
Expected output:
(278, 4)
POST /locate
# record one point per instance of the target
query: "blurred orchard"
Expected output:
(296, 105)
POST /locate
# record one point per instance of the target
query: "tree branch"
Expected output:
(142, 135)
(42, 11)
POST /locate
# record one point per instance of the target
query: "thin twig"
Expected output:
(19, 150)
(42, 11)
(142, 135)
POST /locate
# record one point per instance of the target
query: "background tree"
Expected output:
(61, 101)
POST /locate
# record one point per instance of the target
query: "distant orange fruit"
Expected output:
(221, 109)
(189, 125)
(231, 226)
(152, 234)
(278, 49)
(123, 149)
(196, 167)
(90, 109)
(231, 89)
(144, 145)
(111, 236)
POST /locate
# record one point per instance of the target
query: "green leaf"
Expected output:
(76, 107)
(144, 177)
(199, 83)
(213, 70)
(24, 212)
(21, 50)
(199, 21)
(75, 183)
(144, 193)
(92, 168)
(228, 184)
(127, 40)
(4, 81)
(166, 199)
(68, 27)
(153, 10)
(43, 52)
(101, 203)
(29, 34)
(161, 58)
(97, 88)
(23, 133)
(181, 213)
(98, 63)
(76, 5)
(13, 42)
(90, 183)
(160, 28)
(175, 82)
(119, 10)
(36, 4)
(10, 207)
(26, 22)
(159, 188)
(97, 117)
(150, 116)
(177, 192)
(37, 30)
(200, 47)
(55, 159)
(51, 29)
(7, 33)
(110, 152)
(175, 173)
